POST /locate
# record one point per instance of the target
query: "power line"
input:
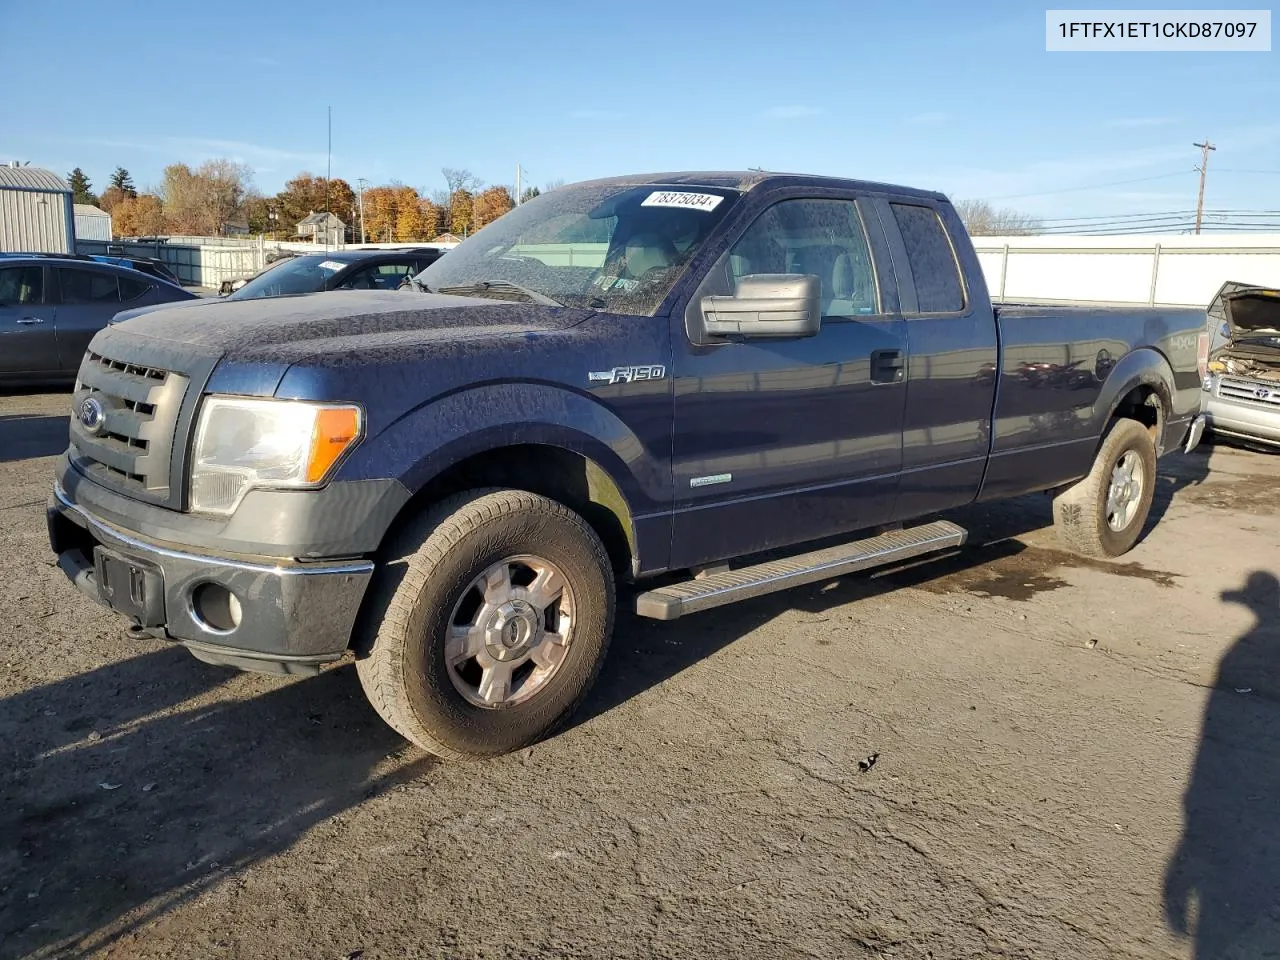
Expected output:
(1094, 186)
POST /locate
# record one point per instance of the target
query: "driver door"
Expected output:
(28, 343)
(780, 441)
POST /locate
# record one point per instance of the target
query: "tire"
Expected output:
(1089, 521)
(443, 572)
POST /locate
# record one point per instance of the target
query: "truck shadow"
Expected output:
(647, 652)
(23, 436)
(138, 785)
(1222, 884)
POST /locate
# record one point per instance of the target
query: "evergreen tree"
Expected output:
(123, 182)
(81, 187)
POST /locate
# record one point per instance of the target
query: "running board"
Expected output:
(670, 603)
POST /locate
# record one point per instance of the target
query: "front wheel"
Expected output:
(488, 623)
(1103, 514)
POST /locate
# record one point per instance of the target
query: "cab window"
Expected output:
(823, 238)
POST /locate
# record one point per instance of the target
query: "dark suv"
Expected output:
(50, 308)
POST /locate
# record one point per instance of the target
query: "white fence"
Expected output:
(1164, 270)
(207, 261)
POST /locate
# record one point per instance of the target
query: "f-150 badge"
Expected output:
(628, 374)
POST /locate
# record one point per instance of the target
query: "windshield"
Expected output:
(295, 275)
(609, 247)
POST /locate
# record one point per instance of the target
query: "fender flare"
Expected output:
(1143, 367)
(446, 430)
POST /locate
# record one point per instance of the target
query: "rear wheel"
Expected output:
(488, 623)
(1103, 514)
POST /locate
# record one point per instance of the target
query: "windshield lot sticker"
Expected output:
(333, 265)
(678, 198)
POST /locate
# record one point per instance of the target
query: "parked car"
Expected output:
(619, 378)
(1242, 390)
(148, 265)
(51, 307)
(340, 270)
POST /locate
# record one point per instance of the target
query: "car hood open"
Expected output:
(1247, 310)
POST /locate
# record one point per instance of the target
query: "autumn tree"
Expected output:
(981, 219)
(111, 198)
(201, 201)
(380, 213)
(121, 180)
(432, 217)
(140, 216)
(81, 189)
(306, 194)
(490, 204)
(461, 212)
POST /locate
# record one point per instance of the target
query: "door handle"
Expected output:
(887, 366)
(29, 320)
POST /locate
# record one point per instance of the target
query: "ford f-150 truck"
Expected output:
(621, 378)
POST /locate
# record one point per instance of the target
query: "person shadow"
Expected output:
(1222, 884)
(137, 786)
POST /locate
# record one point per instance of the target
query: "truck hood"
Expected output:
(1248, 311)
(291, 329)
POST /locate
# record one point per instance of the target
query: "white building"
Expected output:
(35, 211)
(92, 223)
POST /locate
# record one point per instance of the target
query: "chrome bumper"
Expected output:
(291, 616)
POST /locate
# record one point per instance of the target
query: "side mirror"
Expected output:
(767, 305)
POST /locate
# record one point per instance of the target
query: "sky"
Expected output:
(931, 93)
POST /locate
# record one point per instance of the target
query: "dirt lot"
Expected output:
(1076, 760)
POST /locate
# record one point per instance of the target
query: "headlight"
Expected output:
(242, 444)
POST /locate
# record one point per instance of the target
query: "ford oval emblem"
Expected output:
(92, 416)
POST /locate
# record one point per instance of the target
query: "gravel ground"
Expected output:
(1075, 759)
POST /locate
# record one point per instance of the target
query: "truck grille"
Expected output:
(1248, 391)
(129, 446)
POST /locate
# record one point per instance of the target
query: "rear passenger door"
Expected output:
(88, 300)
(952, 356)
(28, 344)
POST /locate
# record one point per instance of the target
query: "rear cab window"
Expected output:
(932, 257)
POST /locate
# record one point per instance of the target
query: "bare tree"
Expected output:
(982, 219)
(461, 179)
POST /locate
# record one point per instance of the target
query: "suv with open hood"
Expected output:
(1242, 388)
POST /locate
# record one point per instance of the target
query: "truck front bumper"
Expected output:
(265, 614)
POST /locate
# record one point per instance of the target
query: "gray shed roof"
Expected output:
(31, 178)
(319, 218)
(89, 210)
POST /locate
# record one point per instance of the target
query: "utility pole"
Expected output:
(518, 190)
(1204, 166)
(360, 183)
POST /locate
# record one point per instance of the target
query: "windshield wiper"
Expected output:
(497, 285)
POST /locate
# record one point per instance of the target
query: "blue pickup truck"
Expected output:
(619, 379)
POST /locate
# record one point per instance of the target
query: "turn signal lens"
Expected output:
(335, 430)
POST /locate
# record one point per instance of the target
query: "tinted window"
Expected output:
(21, 284)
(89, 286)
(933, 262)
(131, 289)
(824, 238)
(384, 276)
(306, 274)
